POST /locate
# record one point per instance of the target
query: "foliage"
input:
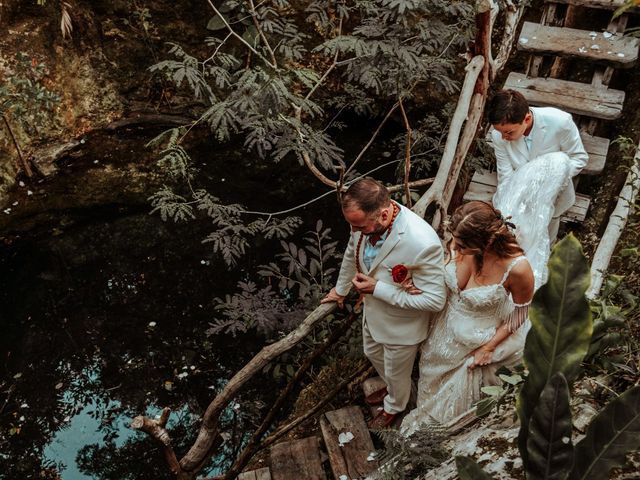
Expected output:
(264, 58)
(252, 308)
(25, 97)
(300, 273)
(611, 435)
(306, 269)
(409, 457)
(499, 395)
(561, 328)
(549, 442)
(613, 313)
(625, 7)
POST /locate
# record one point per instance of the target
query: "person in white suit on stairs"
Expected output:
(538, 151)
(390, 246)
(522, 133)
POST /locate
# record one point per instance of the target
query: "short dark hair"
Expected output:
(367, 195)
(507, 106)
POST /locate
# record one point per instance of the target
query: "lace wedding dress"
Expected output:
(447, 387)
(528, 196)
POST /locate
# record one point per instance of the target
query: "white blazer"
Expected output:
(394, 316)
(553, 131)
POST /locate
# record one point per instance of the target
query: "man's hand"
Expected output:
(363, 283)
(410, 288)
(333, 296)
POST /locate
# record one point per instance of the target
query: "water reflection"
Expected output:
(103, 323)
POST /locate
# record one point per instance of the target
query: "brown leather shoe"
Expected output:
(377, 397)
(382, 420)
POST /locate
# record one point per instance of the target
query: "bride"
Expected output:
(484, 324)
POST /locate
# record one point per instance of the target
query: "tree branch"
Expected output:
(239, 37)
(23, 160)
(617, 222)
(261, 33)
(209, 429)
(407, 155)
(156, 429)
(252, 446)
(435, 192)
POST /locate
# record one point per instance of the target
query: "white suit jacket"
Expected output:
(553, 131)
(394, 316)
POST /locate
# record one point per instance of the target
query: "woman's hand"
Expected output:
(410, 288)
(482, 356)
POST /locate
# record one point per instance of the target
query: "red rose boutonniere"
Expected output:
(399, 273)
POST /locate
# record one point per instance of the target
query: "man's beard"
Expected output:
(379, 230)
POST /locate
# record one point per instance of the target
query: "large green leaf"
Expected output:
(468, 469)
(549, 443)
(561, 328)
(613, 433)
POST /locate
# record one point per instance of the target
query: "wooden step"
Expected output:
(351, 459)
(297, 459)
(574, 97)
(483, 186)
(260, 474)
(617, 50)
(602, 4)
(597, 148)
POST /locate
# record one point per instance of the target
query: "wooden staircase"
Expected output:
(348, 446)
(553, 44)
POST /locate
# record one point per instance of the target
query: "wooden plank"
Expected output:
(350, 459)
(602, 4)
(259, 474)
(574, 97)
(597, 149)
(483, 186)
(297, 459)
(570, 42)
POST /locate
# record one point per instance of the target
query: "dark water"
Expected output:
(103, 323)
(104, 311)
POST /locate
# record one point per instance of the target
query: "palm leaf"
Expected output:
(468, 469)
(561, 328)
(549, 443)
(611, 435)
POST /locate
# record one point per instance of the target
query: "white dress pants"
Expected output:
(394, 364)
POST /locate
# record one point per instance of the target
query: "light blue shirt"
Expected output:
(371, 251)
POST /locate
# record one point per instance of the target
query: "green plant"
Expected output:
(25, 97)
(561, 328)
(500, 395)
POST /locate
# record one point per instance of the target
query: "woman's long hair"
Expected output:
(481, 228)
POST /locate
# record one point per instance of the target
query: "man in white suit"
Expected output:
(385, 235)
(521, 133)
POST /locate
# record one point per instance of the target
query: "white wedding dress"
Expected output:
(528, 197)
(447, 387)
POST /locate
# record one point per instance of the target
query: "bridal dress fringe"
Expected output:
(447, 387)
